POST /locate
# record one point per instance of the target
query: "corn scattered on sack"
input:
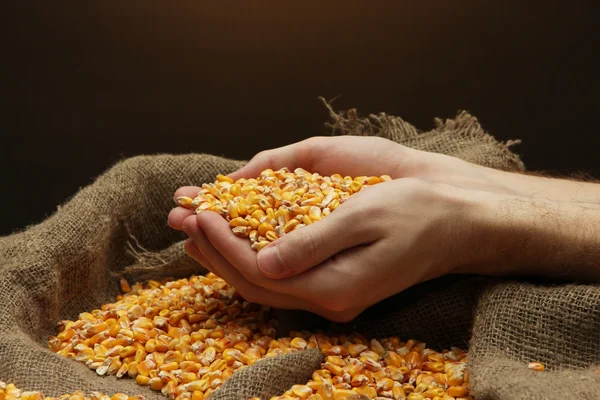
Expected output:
(69, 263)
(11, 392)
(185, 338)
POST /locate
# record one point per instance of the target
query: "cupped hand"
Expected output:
(381, 241)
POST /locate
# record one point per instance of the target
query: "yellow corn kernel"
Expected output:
(125, 288)
(301, 391)
(536, 366)
(29, 396)
(185, 201)
(398, 393)
(291, 225)
(335, 369)
(264, 227)
(199, 385)
(239, 221)
(258, 214)
(282, 216)
(126, 351)
(334, 204)
(197, 395)
(254, 223)
(385, 384)
(326, 391)
(223, 178)
(365, 390)
(155, 383)
(345, 394)
(169, 366)
(458, 391)
(421, 388)
(252, 208)
(145, 367)
(242, 206)
(262, 245)
(298, 343)
(355, 186)
(271, 236)
(142, 380)
(434, 392)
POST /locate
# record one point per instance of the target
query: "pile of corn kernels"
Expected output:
(186, 337)
(11, 392)
(277, 202)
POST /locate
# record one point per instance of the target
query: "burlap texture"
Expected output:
(71, 262)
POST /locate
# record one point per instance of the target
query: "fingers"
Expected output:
(345, 155)
(177, 216)
(192, 250)
(308, 247)
(189, 191)
(249, 291)
(203, 250)
(326, 285)
(235, 250)
(341, 284)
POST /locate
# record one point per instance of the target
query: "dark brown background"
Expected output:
(84, 84)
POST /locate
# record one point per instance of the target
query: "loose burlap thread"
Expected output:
(117, 227)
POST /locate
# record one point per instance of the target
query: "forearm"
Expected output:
(529, 236)
(537, 186)
(449, 170)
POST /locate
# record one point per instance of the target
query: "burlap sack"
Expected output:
(70, 263)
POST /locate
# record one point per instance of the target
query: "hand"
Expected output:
(356, 155)
(439, 215)
(381, 241)
(400, 239)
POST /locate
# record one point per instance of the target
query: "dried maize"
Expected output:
(536, 366)
(186, 337)
(277, 202)
(11, 392)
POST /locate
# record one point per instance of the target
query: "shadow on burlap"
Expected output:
(71, 262)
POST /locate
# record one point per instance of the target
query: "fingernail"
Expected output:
(186, 223)
(269, 261)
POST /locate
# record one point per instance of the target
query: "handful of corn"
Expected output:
(277, 202)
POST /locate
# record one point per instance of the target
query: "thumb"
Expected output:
(310, 245)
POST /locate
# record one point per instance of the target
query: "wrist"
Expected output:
(500, 236)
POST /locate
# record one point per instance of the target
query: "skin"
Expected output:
(439, 215)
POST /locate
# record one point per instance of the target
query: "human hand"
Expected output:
(379, 242)
(360, 156)
(400, 240)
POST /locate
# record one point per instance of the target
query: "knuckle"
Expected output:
(265, 156)
(315, 140)
(340, 303)
(309, 243)
(253, 276)
(344, 316)
(249, 296)
(303, 249)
